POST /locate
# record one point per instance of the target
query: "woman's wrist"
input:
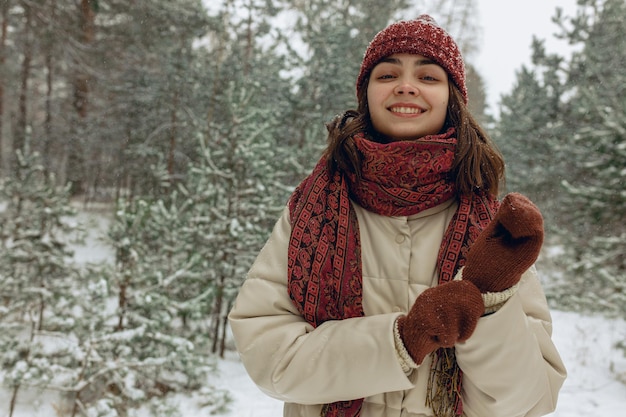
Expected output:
(406, 362)
(493, 301)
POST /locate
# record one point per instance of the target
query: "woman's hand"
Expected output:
(440, 317)
(507, 247)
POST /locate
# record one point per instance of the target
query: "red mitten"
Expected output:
(440, 317)
(507, 247)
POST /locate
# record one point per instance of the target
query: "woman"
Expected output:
(395, 283)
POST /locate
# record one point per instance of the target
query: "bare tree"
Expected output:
(3, 46)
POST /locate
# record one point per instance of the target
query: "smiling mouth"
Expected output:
(406, 110)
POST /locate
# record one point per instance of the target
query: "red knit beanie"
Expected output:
(421, 36)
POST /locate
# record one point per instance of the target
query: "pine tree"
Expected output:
(37, 284)
(58, 328)
(238, 191)
(150, 91)
(563, 131)
(150, 335)
(334, 37)
(530, 132)
(595, 185)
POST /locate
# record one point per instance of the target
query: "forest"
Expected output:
(189, 122)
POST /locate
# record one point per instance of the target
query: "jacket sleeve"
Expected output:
(292, 361)
(510, 365)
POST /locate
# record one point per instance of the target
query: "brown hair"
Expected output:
(478, 164)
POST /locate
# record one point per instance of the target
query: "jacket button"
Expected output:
(400, 238)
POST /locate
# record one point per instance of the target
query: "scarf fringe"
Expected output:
(443, 394)
(342, 409)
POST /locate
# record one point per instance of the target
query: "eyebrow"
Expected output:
(418, 63)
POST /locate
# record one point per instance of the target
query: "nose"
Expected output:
(405, 87)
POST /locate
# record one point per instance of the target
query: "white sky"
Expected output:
(508, 27)
(507, 31)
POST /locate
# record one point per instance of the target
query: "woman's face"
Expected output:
(407, 96)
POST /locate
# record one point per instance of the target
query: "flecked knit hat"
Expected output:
(421, 36)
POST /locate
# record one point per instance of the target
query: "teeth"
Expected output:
(407, 110)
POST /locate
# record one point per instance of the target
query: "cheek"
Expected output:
(445, 101)
(445, 97)
(372, 107)
(370, 95)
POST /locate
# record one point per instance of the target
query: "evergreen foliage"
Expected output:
(334, 36)
(195, 120)
(38, 300)
(59, 329)
(596, 191)
(563, 131)
(156, 334)
(530, 131)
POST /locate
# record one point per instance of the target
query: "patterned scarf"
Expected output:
(324, 261)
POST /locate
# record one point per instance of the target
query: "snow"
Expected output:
(92, 248)
(248, 400)
(595, 387)
(586, 343)
(594, 363)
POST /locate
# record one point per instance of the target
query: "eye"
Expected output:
(384, 71)
(431, 74)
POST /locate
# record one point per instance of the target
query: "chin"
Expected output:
(398, 138)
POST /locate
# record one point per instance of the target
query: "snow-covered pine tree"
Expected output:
(530, 132)
(179, 260)
(595, 192)
(251, 154)
(238, 192)
(563, 130)
(154, 333)
(40, 290)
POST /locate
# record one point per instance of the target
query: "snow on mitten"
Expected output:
(440, 317)
(507, 247)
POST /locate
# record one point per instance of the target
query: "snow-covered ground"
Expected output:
(587, 344)
(596, 385)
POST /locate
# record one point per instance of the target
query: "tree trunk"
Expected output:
(224, 327)
(3, 47)
(13, 400)
(19, 139)
(217, 313)
(47, 138)
(75, 159)
(172, 151)
(88, 31)
(122, 303)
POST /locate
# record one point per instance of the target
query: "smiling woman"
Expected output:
(407, 96)
(358, 305)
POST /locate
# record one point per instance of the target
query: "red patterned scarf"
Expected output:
(398, 179)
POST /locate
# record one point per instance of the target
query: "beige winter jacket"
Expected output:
(511, 367)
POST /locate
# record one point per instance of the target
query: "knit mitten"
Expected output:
(440, 317)
(507, 247)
